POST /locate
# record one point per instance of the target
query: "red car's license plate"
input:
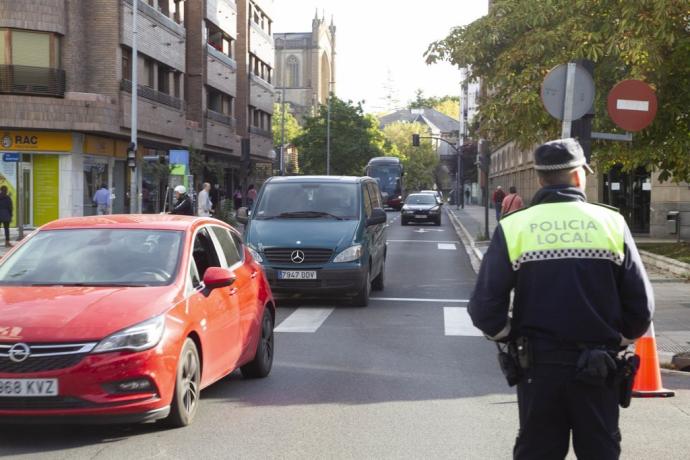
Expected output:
(16, 388)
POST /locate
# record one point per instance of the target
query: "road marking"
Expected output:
(628, 104)
(446, 246)
(407, 299)
(422, 241)
(306, 320)
(422, 230)
(457, 322)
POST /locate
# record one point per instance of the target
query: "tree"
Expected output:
(519, 41)
(355, 138)
(448, 105)
(421, 162)
(292, 127)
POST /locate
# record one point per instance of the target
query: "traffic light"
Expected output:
(132, 155)
(415, 140)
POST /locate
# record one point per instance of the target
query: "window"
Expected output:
(232, 255)
(293, 72)
(177, 83)
(367, 201)
(220, 40)
(3, 59)
(126, 63)
(28, 48)
(204, 252)
(148, 72)
(164, 76)
(256, 117)
(375, 195)
(219, 101)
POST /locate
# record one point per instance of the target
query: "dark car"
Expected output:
(320, 236)
(421, 207)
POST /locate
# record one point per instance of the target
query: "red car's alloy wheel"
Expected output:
(186, 398)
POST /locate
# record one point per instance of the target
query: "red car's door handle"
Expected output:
(233, 291)
(254, 274)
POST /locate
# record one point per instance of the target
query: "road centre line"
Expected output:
(407, 299)
(457, 322)
(306, 320)
(422, 241)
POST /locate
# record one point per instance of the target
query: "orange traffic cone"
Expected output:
(648, 379)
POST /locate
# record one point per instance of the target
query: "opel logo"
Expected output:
(297, 257)
(19, 352)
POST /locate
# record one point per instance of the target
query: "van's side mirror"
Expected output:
(378, 217)
(242, 215)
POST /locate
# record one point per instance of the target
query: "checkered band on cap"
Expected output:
(559, 254)
(570, 165)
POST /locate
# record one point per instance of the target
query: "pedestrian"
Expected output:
(497, 199)
(467, 196)
(512, 202)
(6, 213)
(183, 202)
(102, 200)
(204, 201)
(580, 294)
(237, 198)
(251, 196)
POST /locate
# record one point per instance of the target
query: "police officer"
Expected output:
(580, 294)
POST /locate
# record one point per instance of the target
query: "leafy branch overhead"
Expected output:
(514, 47)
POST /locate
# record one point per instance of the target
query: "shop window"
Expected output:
(95, 175)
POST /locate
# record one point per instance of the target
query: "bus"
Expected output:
(388, 172)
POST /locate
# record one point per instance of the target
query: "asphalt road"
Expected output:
(406, 377)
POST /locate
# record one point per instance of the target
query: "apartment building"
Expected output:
(205, 71)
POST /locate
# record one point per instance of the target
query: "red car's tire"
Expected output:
(185, 400)
(261, 366)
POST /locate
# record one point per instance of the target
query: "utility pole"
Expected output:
(282, 135)
(328, 133)
(133, 198)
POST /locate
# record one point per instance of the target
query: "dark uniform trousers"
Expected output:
(552, 403)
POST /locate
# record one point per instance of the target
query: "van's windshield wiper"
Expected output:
(308, 214)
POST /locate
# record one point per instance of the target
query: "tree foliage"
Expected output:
(421, 162)
(355, 138)
(292, 127)
(448, 105)
(519, 41)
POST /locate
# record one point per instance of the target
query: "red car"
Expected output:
(126, 318)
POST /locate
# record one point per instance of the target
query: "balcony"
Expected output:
(261, 132)
(153, 95)
(33, 81)
(220, 118)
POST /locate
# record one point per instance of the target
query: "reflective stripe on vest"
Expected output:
(571, 230)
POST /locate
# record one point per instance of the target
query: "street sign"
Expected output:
(632, 105)
(10, 157)
(553, 92)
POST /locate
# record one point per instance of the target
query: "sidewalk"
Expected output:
(672, 295)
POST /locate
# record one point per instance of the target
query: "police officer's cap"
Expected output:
(559, 155)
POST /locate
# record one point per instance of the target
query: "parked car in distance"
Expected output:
(123, 319)
(321, 236)
(421, 207)
(436, 193)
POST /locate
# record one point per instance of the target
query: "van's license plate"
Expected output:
(16, 388)
(296, 275)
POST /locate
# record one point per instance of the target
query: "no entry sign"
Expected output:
(632, 105)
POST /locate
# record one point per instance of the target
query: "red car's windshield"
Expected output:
(95, 257)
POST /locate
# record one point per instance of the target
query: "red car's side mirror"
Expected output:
(216, 277)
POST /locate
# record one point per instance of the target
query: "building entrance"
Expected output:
(631, 193)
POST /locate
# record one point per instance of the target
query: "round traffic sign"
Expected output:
(553, 91)
(632, 105)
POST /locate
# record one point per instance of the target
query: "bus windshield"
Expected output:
(388, 177)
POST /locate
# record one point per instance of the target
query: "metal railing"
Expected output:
(153, 95)
(36, 81)
(220, 117)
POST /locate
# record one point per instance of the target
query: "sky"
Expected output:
(382, 41)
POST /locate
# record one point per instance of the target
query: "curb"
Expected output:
(666, 264)
(471, 249)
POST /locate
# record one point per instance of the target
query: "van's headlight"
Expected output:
(255, 254)
(139, 337)
(350, 254)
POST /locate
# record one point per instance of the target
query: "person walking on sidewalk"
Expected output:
(497, 198)
(251, 196)
(183, 204)
(580, 293)
(6, 213)
(204, 201)
(512, 202)
(102, 200)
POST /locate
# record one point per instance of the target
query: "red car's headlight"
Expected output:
(139, 337)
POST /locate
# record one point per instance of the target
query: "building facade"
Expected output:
(205, 72)
(305, 66)
(644, 201)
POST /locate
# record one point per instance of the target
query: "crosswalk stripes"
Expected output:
(306, 320)
(457, 322)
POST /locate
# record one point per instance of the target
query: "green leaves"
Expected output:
(513, 48)
(420, 163)
(292, 127)
(355, 138)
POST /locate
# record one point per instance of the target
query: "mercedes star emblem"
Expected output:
(19, 352)
(297, 257)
